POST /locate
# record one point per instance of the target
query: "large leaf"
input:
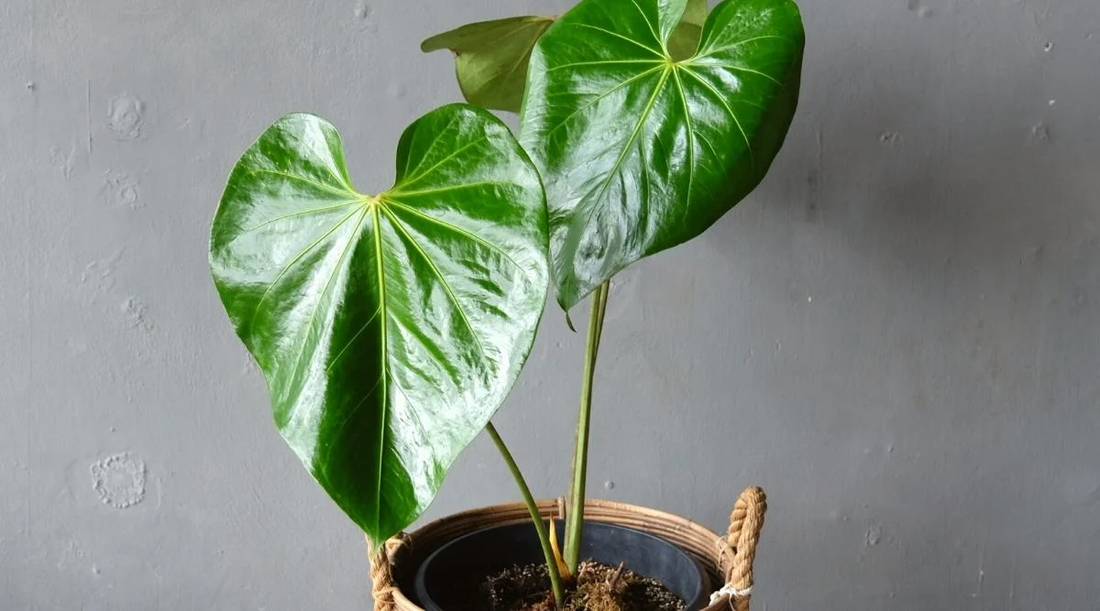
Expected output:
(640, 151)
(491, 58)
(389, 328)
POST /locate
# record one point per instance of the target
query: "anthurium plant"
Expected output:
(391, 326)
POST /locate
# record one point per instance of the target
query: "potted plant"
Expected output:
(391, 327)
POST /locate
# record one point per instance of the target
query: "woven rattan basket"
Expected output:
(728, 559)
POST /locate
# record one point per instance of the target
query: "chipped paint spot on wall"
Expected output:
(135, 312)
(119, 480)
(120, 189)
(126, 117)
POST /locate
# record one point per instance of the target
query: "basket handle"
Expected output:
(381, 573)
(746, 521)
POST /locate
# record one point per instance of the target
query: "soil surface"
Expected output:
(599, 588)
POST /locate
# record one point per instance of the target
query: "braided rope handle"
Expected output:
(746, 522)
(381, 574)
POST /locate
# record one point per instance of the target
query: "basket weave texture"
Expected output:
(728, 559)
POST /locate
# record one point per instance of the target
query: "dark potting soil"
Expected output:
(599, 588)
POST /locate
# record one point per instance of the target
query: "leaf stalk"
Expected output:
(533, 509)
(575, 516)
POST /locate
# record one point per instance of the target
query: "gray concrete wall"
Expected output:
(898, 336)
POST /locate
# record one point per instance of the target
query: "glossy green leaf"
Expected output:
(389, 328)
(640, 152)
(491, 58)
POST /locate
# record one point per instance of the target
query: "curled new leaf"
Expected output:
(685, 38)
(491, 58)
(389, 327)
(642, 148)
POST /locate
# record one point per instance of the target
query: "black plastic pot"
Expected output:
(455, 571)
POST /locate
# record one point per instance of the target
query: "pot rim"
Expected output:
(700, 570)
(404, 553)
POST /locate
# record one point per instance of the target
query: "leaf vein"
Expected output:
(712, 52)
(297, 258)
(304, 180)
(733, 115)
(600, 97)
(324, 292)
(456, 229)
(384, 347)
(443, 281)
(620, 36)
(691, 137)
(408, 181)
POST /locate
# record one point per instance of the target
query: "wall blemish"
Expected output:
(120, 189)
(873, 535)
(100, 273)
(64, 162)
(119, 480)
(135, 312)
(1040, 132)
(364, 17)
(126, 117)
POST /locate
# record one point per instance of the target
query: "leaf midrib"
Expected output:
(626, 150)
(439, 276)
(383, 345)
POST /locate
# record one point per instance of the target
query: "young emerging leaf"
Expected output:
(563, 568)
(685, 38)
(641, 150)
(389, 328)
(491, 58)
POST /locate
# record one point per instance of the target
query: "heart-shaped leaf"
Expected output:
(491, 58)
(389, 328)
(640, 150)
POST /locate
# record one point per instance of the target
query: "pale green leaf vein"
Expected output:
(456, 229)
(711, 52)
(304, 180)
(353, 411)
(468, 185)
(620, 36)
(600, 97)
(297, 213)
(324, 291)
(351, 341)
(408, 181)
(384, 347)
(739, 69)
(626, 149)
(690, 134)
(297, 258)
(431, 147)
(722, 100)
(610, 62)
(442, 281)
(653, 30)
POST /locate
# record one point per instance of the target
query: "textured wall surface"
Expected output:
(898, 335)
